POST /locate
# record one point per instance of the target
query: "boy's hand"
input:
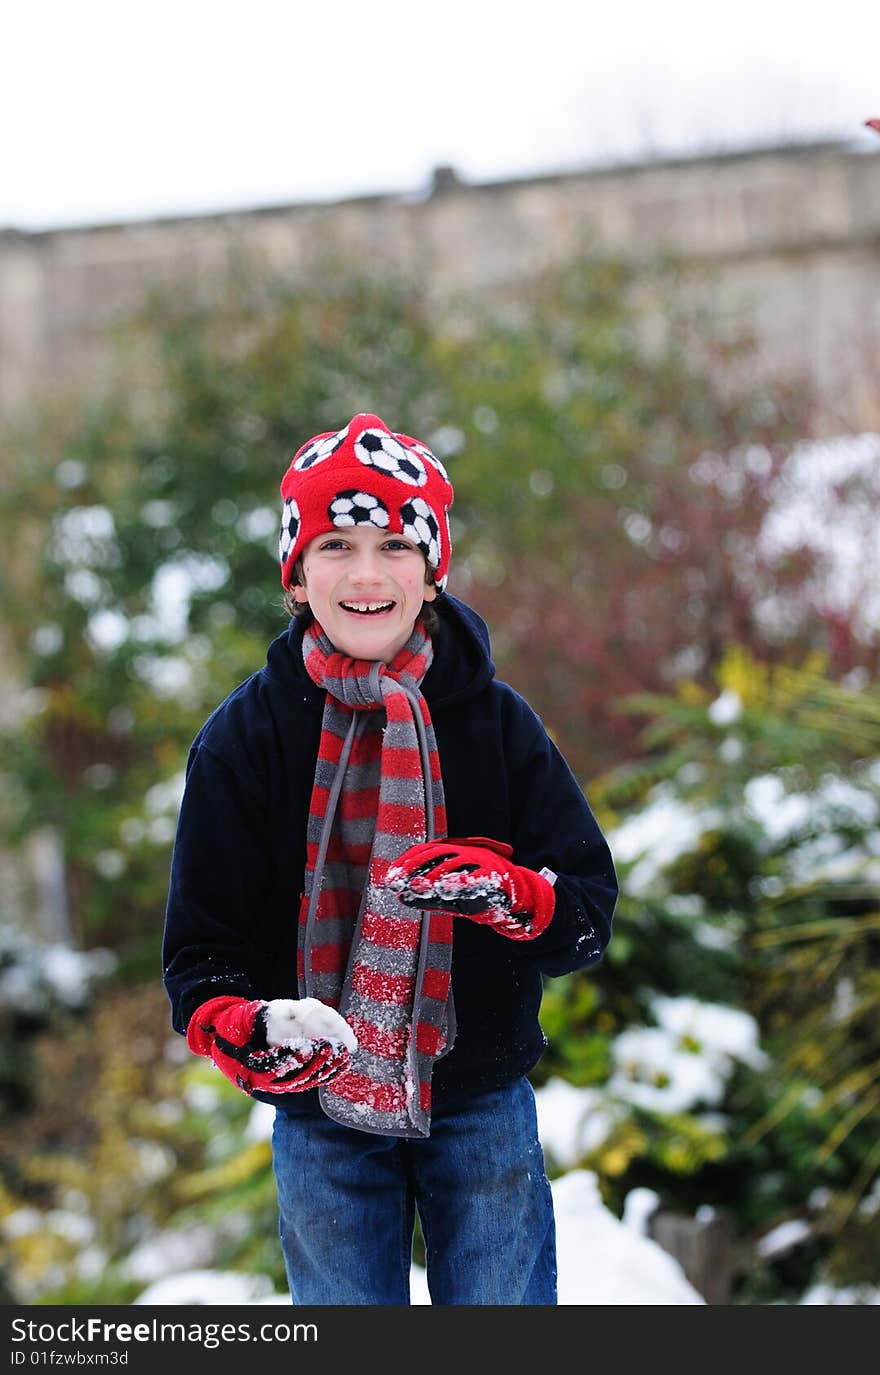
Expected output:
(233, 1033)
(474, 878)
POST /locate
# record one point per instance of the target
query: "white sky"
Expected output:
(123, 110)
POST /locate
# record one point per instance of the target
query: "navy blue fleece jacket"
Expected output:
(239, 856)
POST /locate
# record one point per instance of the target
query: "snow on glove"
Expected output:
(284, 1046)
(474, 878)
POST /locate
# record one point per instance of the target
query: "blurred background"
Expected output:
(620, 271)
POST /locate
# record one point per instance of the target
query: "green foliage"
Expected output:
(766, 900)
(162, 1149)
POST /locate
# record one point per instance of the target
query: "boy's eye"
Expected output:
(394, 545)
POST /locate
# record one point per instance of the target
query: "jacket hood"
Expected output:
(462, 664)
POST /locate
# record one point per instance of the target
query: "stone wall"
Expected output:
(795, 232)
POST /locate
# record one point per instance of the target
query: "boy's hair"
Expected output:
(301, 611)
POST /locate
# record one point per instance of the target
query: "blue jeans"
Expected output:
(347, 1203)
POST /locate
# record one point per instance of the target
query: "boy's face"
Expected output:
(347, 572)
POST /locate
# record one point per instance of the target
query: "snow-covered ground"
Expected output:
(601, 1258)
(601, 1261)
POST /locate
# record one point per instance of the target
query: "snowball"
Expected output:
(294, 1021)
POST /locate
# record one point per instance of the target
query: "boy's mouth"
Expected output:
(367, 608)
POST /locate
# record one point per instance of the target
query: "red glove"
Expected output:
(232, 1032)
(474, 878)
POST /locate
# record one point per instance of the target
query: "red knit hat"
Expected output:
(366, 475)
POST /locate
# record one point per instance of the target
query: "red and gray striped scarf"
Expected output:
(385, 967)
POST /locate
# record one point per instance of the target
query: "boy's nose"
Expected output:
(366, 569)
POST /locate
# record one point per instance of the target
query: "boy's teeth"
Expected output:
(367, 606)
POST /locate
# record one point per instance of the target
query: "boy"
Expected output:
(379, 853)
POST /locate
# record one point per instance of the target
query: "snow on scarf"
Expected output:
(385, 967)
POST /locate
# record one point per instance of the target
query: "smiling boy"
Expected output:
(378, 831)
(366, 587)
